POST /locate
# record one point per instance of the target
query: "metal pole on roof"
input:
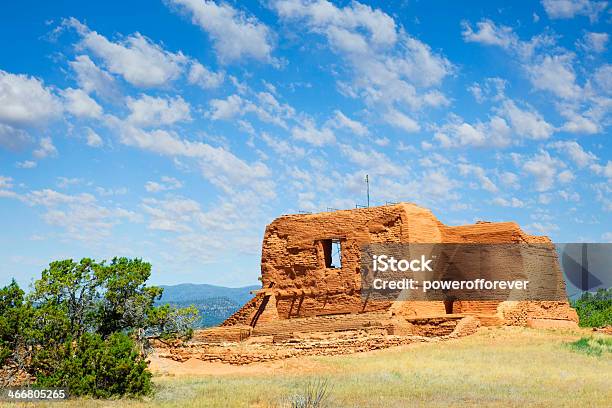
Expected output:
(367, 180)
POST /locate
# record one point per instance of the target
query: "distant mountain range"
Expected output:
(215, 303)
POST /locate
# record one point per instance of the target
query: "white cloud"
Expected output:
(93, 139)
(174, 214)
(322, 15)
(577, 123)
(399, 120)
(565, 176)
(469, 135)
(560, 9)
(154, 187)
(550, 68)
(603, 78)
(545, 228)
(605, 171)
(12, 138)
(78, 103)
(529, 124)
(594, 42)
(575, 152)
(543, 168)
(476, 92)
(480, 174)
(513, 202)
(282, 147)
(439, 185)
(495, 133)
(384, 141)
(340, 120)
(491, 89)
(204, 78)
(202, 234)
(226, 108)
(270, 110)
(51, 198)
(569, 196)
(64, 182)
(9, 194)
(167, 183)
(149, 111)
(372, 161)
(387, 65)
(267, 108)
(544, 198)
(555, 73)
(489, 33)
(235, 34)
(80, 215)
(105, 192)
(221, 167)
(26, 164)
(25, 101)
(6, 182)
(45, 148)
(509, 179)
(308, 132)
(93, 79)
(136, 58)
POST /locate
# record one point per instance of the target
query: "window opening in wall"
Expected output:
(332, 252)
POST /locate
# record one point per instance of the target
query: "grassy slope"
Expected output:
(496, 367)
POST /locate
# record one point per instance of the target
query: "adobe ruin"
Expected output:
(299, 280)
(307, 294)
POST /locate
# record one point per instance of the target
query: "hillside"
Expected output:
(215, 303)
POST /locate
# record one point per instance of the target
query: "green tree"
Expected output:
(11, 304)
(595, 309)
(87, 324)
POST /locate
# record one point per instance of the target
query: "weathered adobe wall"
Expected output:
(293, 265)
(511, 312)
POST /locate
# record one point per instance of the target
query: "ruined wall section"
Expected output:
(244, 315)
(515, 313)
(293, 261)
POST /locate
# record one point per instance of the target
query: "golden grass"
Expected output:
(496, 367)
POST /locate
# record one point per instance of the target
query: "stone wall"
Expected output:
(299, 283)
(277, 347)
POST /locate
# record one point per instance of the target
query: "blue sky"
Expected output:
(176, 130)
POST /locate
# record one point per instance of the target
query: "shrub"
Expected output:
(97, 367)
(595, 309)
(314, 395)
(594, 346)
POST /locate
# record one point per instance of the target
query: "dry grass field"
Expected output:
(496, 367)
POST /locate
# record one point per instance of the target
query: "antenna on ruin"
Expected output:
(367, 180)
